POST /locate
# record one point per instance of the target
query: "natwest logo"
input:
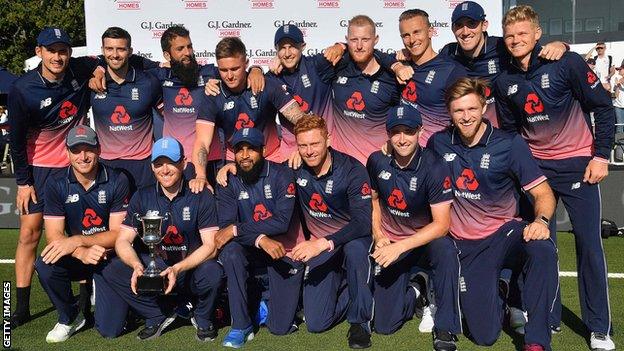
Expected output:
(409, 92)
(467, 180)
(261, 213)
(184, 97)
(125, 5)
(356, 102)
(90, 218)
(397, 200)
(317, 203)
(243, 121)
(261, 4)
(120, 115)
(173, 236)
(67, 110)
(533, 104)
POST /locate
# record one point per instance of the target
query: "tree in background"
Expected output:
(22, 20)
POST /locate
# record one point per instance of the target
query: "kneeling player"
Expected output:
(260, 226)
(88, 204)
(411, 214)
(185, 253)
(485, 166)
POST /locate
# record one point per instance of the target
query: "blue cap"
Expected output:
(252, 136)
(468, 9)
(403, 115)
(49, 36)
(169, 148)
(288, 31)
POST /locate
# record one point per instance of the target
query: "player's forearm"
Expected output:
(604, 118)
(200, 160)
(426, 234)
(292, 112)
(126, 253)
(105, 239)
(544, 201)
(376, 218)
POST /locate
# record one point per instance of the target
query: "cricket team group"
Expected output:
(352, 184)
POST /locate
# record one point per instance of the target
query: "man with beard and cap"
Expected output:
(123, 114)
(260, 226)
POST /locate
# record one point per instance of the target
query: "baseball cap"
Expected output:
(252, 136)
(288, 31)
(591, 61)
(169, 148)
(468, 9)
(81, 135)
(49, 36)
(403, 115)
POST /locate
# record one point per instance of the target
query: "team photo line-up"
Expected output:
(351, 184)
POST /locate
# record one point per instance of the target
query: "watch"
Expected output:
(544, 220)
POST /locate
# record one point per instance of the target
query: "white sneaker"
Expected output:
(62, 332)
(517, 319)
(601, 342)
(426, 323)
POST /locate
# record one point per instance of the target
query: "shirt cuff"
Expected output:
(331, 245)
(257, 242)
(600, 159)
(234, 231)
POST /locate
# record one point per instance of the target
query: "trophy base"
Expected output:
(150, 285)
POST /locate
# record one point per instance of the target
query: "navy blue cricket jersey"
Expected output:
(406, 195)
(123, 115)
(264, 208)
(188, 215)
(232, 111)
(86, 212)
(549, 106)
(42, 113)
(336, 206)
(485, 179)
(310, 87)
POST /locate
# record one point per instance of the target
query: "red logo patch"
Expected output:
(488, 92)
(467, 180)
(591, 77)
(317, 203)
(356, 102)
(67, 110)
(291, 189)
(120, 115)
(172, 236)
(184, 97)
(409, 92)
(243, 121)
(533, 104)
(302, 103)
(91, 218)
(366, 189)
(397, 200)
(261, 213)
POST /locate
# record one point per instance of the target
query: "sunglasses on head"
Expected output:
(466, 22)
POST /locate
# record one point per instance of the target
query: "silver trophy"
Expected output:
(151, 282)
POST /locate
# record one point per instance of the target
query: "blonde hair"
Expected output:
(310, 122)
(361, 21)
(466, 86)
(519, 14)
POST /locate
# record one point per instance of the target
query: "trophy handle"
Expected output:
(136, 218)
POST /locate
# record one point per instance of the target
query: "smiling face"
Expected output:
(520, 39)
(246, 156)
(84, 159)
(361, 41)
(116, 52)
(54, 60)
(289, 53)
(313, 147)
(232, 72)
(181, 50)
(404, 140)
(167, 172)
(467, 115)
(416, 35)
(469, 33)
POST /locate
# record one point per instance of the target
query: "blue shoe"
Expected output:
(263, 313)
(236, 338)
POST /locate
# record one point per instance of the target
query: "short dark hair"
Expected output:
(170, 34)
(408, 14)
(117, 33)
(230, 47)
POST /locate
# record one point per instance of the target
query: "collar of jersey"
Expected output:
(69, 74)
(336, 157)
(412, 166)
(534, 63)
(181, 192)
(485, 138)
(130, 76)
(102, 175)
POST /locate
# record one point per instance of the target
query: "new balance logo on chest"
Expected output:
(341, 80)
(385, 175)
(71, 198)
(228, 105)
(512, 89)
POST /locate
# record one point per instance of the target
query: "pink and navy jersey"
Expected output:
(123, 115)
(188, 215)
(488, 64)
(43, 112)
(485, 179)
(310, 88)
(336, 206)
(549, 106)
(426, 90)
(86, 212)
(267, 207)
(233, 111)
(406, 195)
(357, 117)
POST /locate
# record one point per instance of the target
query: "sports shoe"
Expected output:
(154, 331)
(427, 321)
(206, 334)
(19, 318)
(517, 319)
(555, 330)
(359, 337)
(533, 347)
(601, 342)
(236, 338)
(263, 313)
(444, 341)
(62, 332)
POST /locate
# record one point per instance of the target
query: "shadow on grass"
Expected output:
(572, 321)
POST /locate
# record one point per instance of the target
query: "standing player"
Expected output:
(123, 114)
(83, 212)
(334, 193)
(484, 56)
(45, 104)
(486, 164)
(548, 103)
(411, 213)
(237, 107)
(185, 254)
(260, 227)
